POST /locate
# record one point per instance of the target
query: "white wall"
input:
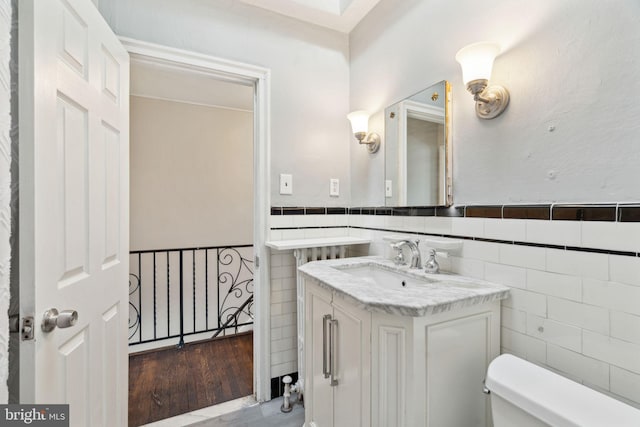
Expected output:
(310, 80)
(191, 175)
(568, 64)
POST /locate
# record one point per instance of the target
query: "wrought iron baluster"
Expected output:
(168, 296)
(181, 341)
(193, 264)
(134, 324)
(140, 294)
(218, 258)
(155, 311)
(206, 289)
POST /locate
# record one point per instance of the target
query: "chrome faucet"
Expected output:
(416, 259)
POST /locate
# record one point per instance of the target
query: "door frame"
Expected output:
(408, 109)
(260, 78)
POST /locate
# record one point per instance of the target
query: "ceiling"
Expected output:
(163, 82)
(339, 15)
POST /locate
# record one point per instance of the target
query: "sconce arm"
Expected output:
(371, 140)
(491, 102)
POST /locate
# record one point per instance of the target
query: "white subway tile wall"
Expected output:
(505, 229)
(522, 256)
(284, 359)
(624, 269)
(467, 227)
(583, 264)
(589, 370)
(577, 313)
(619, 236)
(563, 233)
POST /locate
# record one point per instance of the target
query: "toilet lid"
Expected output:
(555, 399)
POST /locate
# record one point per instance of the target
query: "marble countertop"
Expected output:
(441, 292)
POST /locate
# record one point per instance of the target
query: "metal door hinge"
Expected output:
(26, 330)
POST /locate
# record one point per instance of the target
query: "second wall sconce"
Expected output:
(476, 61)
(360, 126)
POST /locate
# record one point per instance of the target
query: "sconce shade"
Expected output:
(359, 121)
(360, 127)
(476, 61)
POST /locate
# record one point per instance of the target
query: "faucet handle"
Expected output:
(432, 266)
(399, 257)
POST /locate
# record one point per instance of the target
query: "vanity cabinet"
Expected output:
(429, 371)
(394, 370)
(338, 357)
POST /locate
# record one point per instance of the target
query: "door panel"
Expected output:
(351, 398)
(74, 179)
(318, 388)
(107, 200)
(74, 357)
(112, 333)
(70, 165)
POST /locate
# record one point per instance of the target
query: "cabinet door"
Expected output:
(318, 391)
(352, 394)
(458, 353)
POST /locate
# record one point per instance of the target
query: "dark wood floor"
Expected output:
(170, 382)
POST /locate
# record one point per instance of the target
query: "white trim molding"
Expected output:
(260, 79)
(5, 191)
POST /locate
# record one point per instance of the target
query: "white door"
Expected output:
(74, 180)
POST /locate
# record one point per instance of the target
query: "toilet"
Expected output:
(526, 395)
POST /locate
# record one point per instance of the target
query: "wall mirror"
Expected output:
(418, 156)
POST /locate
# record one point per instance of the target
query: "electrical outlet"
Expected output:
(388, 192)
(286, 183)
(334, 187)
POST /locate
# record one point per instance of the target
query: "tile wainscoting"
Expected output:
(574, 274)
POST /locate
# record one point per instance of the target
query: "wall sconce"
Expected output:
(476, 61)
(360, 126)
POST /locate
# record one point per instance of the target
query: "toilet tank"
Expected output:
(525, 394)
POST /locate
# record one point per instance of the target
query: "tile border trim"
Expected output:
(507, 242)
(608, 212)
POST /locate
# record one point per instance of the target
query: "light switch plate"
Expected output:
(286, 183)
(334, 187)
(388, 192)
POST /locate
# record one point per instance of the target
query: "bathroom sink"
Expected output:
(385, 278)
(378, 284)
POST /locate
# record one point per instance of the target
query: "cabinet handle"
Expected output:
(325, 346)
(333, 332)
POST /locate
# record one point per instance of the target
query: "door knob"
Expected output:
(53, 319)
